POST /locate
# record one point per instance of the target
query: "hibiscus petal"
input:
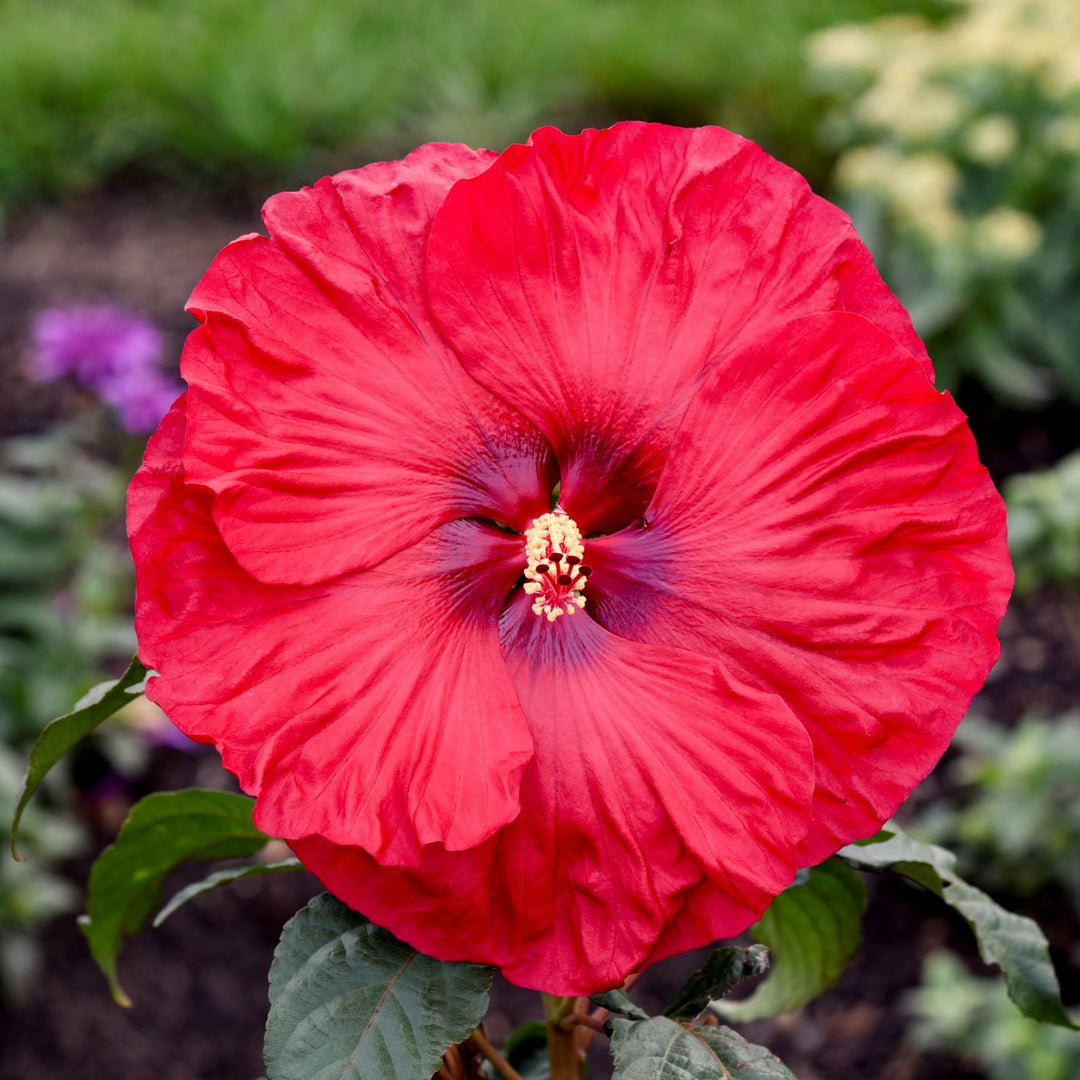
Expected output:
(640, 750)
(350, 708)
(324, 411)
(655, 773)
(824, 524)
(591, 280)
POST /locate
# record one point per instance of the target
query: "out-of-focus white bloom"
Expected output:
(1062, 79)
(955, 120)
(866, 167)
(943, 97)
(1027, 36)
(1063, 134)
(894, 26)
(922, 189)
(939, 223)
(905, 101)
(992, 139)
(911, 107)
(929, 177)
(849, 47)
(1040, 38)
(1008, 234)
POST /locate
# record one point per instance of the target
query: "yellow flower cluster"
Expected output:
(1032, 37)
(922, 105)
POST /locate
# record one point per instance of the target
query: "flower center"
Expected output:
(555, 576)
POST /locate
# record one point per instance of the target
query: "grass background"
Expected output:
(239, 96)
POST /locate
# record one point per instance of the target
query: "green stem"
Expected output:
(564, 1048)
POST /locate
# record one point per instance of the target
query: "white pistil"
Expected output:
(555, 574)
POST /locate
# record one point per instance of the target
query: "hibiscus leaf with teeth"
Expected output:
(1013, 943)
(350, 1001)
(661, 1049)
(744, 1060)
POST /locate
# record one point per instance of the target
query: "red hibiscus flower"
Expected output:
(564, 739)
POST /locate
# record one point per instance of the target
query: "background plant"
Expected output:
(65, 574)
(1044, 526)
(972, 1018)
(65, 593)
(961, 166)
(31, 893)
(1015, 821)
(238, 95)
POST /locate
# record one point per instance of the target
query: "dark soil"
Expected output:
(199, 982)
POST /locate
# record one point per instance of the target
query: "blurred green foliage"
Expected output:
(65, 576)
(1015, 824)
(1044, 525)
(240, 95)
(961, 167)
(65, 597)
(30, 894)
(973, 1018)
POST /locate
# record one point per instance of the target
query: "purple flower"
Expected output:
(95, 344)
(141, 397)
(111, 351)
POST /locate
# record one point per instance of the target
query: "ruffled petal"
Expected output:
(824, 524)
(349, 709)
(593, 279)
(324, 411)
(640, 751)
(655, 773)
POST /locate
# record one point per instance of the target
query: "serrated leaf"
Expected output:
(1014, 943)
(348, 1001)
(224, 877)
(59, 736)
(619, 1001)
(162, 830)
(812, 929)
(726, 968)
(743, 1060)
(661, 1049)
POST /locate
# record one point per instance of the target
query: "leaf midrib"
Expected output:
(351, 1059)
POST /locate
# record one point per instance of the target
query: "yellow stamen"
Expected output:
(555, 574)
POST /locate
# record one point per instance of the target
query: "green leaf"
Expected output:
(743, 1060)
(224, 877)
(348, 1001)
(1013, 943)
(726, 968)
(618, 1001)
(661, 1049)
(58, 737)
(812, 929)
(162, 830)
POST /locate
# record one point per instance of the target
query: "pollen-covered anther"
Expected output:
(555, 575)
